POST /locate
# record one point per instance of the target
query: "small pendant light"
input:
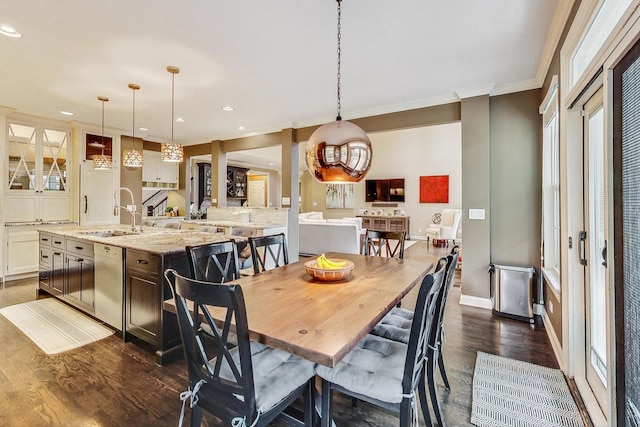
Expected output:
(100, 161)
(338, 152)
(170, 151)
(133, 158)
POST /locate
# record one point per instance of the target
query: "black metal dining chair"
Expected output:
(387, 373)
(268, 252)
(396, 326)
(214, 262)
(384, 243)
(243, 384)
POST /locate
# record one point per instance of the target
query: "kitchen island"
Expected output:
(77, 265)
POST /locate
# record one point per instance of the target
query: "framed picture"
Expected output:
(434, 189)
(340, 196)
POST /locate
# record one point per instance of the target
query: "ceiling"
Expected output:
(274, 61)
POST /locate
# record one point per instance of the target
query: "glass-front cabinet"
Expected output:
(37, 166)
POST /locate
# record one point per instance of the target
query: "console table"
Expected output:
(386, 223)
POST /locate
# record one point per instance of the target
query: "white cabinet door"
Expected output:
(21, 207)
(150, 166)
(96, 196)
(22, 252)
(159, 174)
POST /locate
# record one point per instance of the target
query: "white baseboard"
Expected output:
(556, 345)
(475, 301)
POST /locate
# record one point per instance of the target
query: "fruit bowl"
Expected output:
(328, 274)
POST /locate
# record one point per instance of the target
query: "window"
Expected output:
(551, 184)
(604, 19)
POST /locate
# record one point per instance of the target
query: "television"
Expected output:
(384, 190)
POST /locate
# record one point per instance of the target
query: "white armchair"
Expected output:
(448, 227)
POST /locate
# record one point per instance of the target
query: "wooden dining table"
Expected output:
(322, 321)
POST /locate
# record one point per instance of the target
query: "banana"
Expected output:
(325, 262)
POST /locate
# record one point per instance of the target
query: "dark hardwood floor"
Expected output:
(112, 383)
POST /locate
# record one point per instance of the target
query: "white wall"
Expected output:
(408, 154)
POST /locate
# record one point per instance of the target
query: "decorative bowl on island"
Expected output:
(328, 274)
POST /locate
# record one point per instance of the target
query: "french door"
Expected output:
(593, 252)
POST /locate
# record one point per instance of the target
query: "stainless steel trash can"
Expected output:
(512, 291)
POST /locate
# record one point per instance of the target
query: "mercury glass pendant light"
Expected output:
(133, 158)
(338, 152)
(170, 151)
(100, 161)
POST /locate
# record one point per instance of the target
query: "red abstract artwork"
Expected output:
(434, 189)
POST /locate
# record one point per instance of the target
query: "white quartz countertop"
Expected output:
(161, 241)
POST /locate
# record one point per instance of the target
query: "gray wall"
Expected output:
(516, 178)
(476, 233)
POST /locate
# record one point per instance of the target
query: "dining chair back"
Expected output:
(244, 250)
(268, 252)
(214, 262)
(436, 339)
(384, 243)
(242, 383)
(384, 372)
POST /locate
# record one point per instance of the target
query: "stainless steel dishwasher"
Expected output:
(108, 284)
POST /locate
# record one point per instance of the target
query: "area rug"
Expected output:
(54, 326)
(509, 392)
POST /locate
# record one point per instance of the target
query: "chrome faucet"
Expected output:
(132, 211)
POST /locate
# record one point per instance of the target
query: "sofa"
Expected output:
(319, 235)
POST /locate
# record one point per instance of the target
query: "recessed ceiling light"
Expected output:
(227, 108)
(8, 31)
(66, 113)
(179, 120)
(240, 127)
(271, 164)
(143, 128)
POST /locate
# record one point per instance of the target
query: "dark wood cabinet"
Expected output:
(204, 182)
(237, 183)
(79, 274)
(67, 270)
(143, 298)
(145, 291)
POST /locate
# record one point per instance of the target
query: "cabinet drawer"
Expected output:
(79, 247)
(45, 256)
(143, 261)
(57, 241)
(45, 239)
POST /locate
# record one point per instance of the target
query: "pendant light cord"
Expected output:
(102, 132)
(173, 79)
(133, 122)
(338, 116)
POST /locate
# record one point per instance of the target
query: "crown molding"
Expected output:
(512, 87)
(475, 91)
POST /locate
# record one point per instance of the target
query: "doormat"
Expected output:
(509, 392)
(53, 326)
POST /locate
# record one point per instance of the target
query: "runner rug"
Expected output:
(54, 326)
(509, 392)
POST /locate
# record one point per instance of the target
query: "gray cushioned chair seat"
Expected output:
(276, 373)
(373, 368)
(396, 325)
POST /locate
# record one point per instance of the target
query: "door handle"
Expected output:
(604, 254)
(582, 237)
(86, 203)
